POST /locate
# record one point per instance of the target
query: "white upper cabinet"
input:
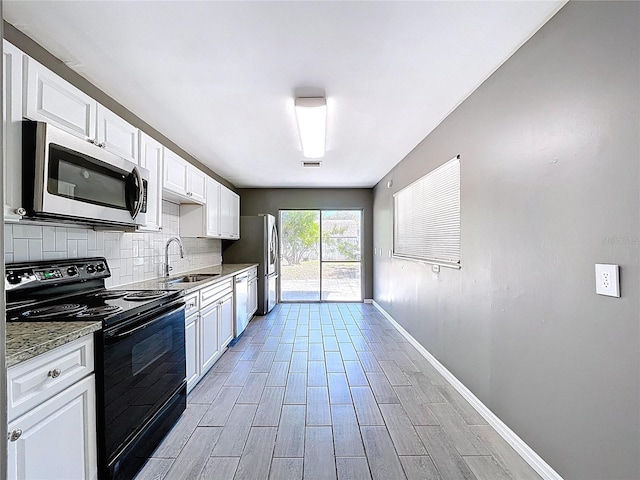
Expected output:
(183, 183)
(150, 156)
(202, 220)
(51, 99)
(235, 215)
(12, 132)
(213, 208)
(116, 135)
(196, 184)
(33, 91)
(175, 174)
(229, 213)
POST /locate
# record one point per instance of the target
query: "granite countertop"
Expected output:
(26, 340)
(221, 272)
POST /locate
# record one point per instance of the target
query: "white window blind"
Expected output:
(426, 222)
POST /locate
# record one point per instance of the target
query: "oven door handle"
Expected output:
(157, 317)
(128, 333)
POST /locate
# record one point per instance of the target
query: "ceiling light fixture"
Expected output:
(311, 114)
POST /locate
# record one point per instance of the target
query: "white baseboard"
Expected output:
(368, 300)
(524, 450)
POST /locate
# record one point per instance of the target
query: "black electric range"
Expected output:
(139, 352)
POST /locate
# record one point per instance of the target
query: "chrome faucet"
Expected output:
(167, 268)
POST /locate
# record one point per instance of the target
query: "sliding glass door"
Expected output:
(321, 255)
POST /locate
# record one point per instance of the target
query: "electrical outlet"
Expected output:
(607, 280)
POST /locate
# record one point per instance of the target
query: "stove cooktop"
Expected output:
(108, 305)
(73, 290)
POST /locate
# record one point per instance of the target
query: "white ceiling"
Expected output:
(218, 78)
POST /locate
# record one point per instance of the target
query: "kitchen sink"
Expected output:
(191, 278)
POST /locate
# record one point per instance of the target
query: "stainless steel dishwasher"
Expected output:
(241, 290)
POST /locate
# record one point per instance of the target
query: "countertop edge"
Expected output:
(40, 347)
(223, 272)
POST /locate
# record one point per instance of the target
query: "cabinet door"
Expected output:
(226, 198)
(226, 320)
(51, 99)
(151, 159)
(229, 213)
(209, 338)
(12, 131)
(234, 216)
(175, 173)
(57, 439)
(225, 208)
(252, 303)
(213, 208)
(196, 185)
(191, 336)
(116, 135)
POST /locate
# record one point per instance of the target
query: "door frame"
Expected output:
(320, 261)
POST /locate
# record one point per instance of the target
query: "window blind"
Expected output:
(426, 222)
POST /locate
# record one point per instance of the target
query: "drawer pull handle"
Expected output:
(191, 305)
(55, 373)
(15, 435)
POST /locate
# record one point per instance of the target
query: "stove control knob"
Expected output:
(100, 267)
(71, 271)
(14, 278)
(91, 269)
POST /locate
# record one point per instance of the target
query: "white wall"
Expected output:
(41, 242)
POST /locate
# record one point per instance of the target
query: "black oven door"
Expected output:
(143, 366)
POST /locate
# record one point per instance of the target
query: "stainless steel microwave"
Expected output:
(71, 180)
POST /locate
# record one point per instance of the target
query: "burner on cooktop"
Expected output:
(110, 294)
(145, 295)
(99, 311)
(55, 310)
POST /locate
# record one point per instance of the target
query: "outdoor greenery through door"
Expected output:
(320, 257)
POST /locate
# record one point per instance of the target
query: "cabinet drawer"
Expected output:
(34, 381)
(210, 294)
(192, 304)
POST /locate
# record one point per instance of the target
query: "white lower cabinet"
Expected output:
(191, 337)
(208, 328)
(209, 340)
(57, 439)
(54, 438)
(226, 320)
(252, 293)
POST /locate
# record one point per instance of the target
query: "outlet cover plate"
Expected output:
(607, 280)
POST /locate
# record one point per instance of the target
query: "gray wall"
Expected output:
(549, 149)
(270, 200)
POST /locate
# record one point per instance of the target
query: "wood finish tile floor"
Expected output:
(329, 391)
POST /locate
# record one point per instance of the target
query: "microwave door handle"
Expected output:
(138, 206)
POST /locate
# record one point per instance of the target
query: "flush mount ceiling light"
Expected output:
(311, 114)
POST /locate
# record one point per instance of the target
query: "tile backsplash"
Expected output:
(132, 257)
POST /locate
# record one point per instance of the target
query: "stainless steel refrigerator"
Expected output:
(258, 244)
